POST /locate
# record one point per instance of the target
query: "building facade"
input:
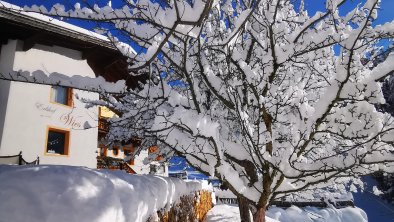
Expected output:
(46, 121)
(109, 155)
(52, 122)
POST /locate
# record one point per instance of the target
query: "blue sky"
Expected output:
(386, 13)
(178, 164)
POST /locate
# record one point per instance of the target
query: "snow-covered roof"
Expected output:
(16, 14)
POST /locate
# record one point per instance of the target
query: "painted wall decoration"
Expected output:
(47, 110)
(68, 119)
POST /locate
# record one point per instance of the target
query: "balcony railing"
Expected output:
(103, 125)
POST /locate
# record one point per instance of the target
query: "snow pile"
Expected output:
(66, 193)
(228, 213)
(310, 214)
(205, 185)
(224, 193)
(376, 191)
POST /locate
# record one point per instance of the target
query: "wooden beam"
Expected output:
(88, 53)
(32, 40)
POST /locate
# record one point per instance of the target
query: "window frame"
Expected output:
(66, 142)
(113, 151)
(155, 150)
(131, 149)
(69, 96)
(105, 150)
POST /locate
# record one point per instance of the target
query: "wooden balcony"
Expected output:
(105, 162)
(103, 126)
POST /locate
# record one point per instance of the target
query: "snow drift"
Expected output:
(66, 193)
(229, 213)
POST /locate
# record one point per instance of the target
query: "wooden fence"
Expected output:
(287, 204)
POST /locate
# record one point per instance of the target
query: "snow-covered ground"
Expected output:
(230, 213)
(65, 193)
(227, 213)
(68, 194)
(376, 209)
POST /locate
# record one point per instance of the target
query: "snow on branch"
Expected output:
(98, 84)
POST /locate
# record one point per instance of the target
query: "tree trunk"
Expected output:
(244, 210)
(260, 215)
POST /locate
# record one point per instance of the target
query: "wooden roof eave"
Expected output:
(22, 19)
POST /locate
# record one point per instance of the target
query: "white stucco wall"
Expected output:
(29, 111)
(140, 168)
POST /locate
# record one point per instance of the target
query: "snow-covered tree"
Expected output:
(260, 94)
(388, 82)
(386, 180)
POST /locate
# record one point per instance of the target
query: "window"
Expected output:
(155, 150)
(57, 141)
(115, 151)
(128, 151)
(61, 95)
(103, 150)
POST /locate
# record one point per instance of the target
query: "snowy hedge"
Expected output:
(65, 193)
